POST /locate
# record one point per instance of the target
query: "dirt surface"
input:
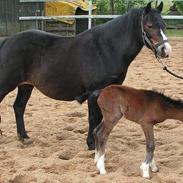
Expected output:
(58, 130)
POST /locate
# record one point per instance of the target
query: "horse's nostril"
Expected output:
(163, 49)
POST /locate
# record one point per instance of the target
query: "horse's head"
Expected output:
(153, 28)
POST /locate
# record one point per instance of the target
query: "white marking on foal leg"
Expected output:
(154, 166)
(145, 170)
(101, 164)
(168, 48)
(97, 155)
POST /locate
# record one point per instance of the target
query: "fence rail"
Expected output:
(169, 17)
(89, 16)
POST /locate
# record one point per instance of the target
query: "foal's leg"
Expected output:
(24, 93)
(95, 131)
(95, 117)
(150, 146)
(101, 137)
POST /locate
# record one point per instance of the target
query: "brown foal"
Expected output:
(144, 107)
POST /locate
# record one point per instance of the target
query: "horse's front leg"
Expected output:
(149, 163)
(95, 117)
(24, 93)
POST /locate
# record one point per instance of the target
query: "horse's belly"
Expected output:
(67, 93)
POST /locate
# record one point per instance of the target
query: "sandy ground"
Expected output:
(58, 129)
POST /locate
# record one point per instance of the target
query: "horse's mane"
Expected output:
(124, 18)
(175, 102)
(111, 25)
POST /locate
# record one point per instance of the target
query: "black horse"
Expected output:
(74, 68)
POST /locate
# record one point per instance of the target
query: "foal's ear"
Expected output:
(148, 7)
(160, 7)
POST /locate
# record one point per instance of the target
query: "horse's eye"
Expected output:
(150, 26)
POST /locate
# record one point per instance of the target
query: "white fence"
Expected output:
(89, 16)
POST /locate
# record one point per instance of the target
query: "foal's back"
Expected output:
(134, 104)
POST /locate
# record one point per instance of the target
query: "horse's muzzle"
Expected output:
(164, 50)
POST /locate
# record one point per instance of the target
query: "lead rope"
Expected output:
(165, 67)
(146, 39)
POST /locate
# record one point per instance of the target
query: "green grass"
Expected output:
(174, 33)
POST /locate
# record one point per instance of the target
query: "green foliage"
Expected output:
(102, 6)
(136, 3)
(179, 5)
(120, 6)
(174, 33)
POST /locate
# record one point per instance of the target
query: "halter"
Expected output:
(147, 41)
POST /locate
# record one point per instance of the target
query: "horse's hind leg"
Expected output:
(149, 162)
(24, 93)
(95, 117)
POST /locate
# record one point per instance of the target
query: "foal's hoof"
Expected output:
(145, 171)
(103, 172)
(154, 167)
(145, 175)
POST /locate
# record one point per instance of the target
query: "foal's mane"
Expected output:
(168, 100)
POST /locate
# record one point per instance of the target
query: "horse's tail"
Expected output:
(87, 94)
(0, 128)
(2, 41)
(82, 97)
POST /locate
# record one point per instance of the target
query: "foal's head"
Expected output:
(153, 28)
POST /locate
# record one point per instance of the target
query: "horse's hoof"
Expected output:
(27, 141)
(91, 147)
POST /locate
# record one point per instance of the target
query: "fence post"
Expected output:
(90, 14)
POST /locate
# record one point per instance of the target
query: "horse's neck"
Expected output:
(124, 36)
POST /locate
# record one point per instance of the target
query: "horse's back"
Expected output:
(16, 56)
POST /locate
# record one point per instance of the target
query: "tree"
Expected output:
(179, 5)
(112, 6)
(117, 6)
(135, 3)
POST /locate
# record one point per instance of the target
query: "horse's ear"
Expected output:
(148, 7)
(160, 7)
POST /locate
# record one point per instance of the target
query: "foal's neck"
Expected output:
(175, 113)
